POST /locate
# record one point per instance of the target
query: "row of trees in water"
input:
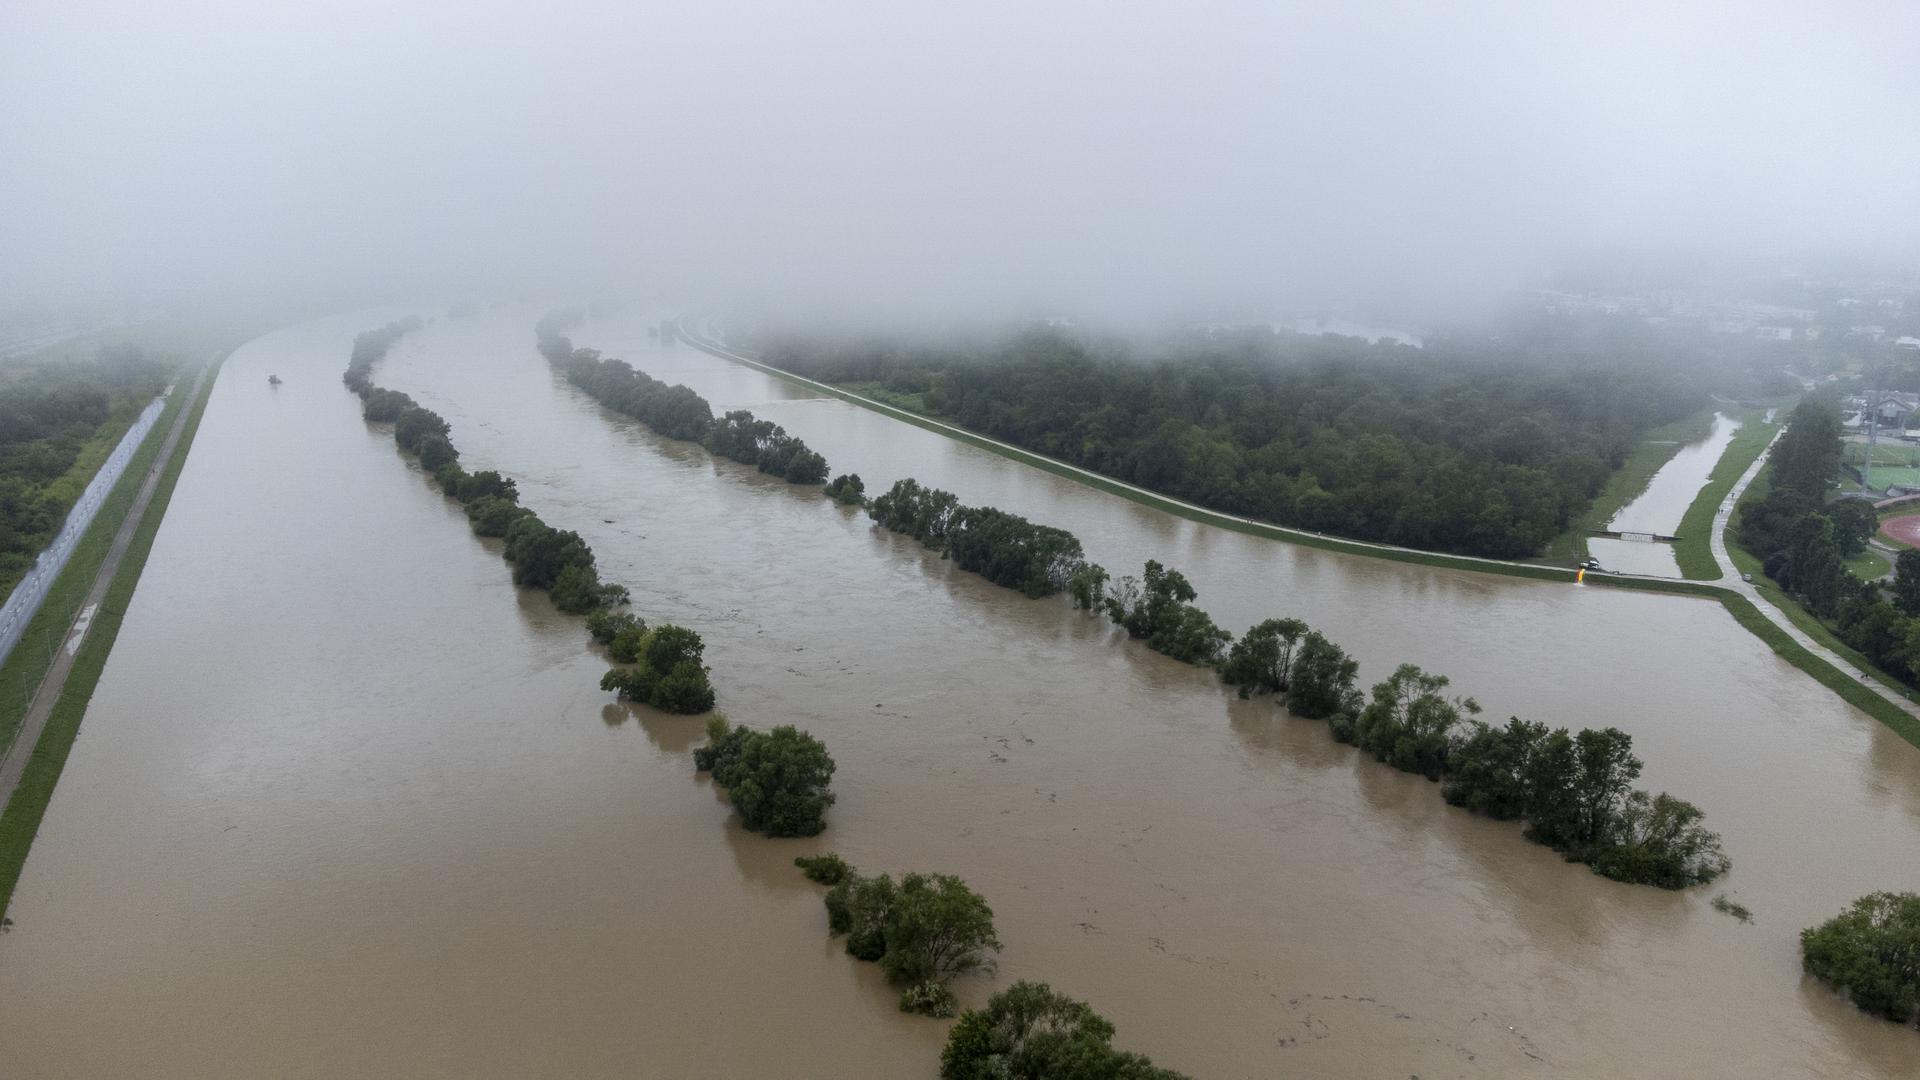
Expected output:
(777, 780)
(556, 561)
(676, 411)
(1573, 789)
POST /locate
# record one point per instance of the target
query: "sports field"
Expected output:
(1905, 529)
(1893, 463)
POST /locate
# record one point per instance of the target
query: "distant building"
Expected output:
(1911, 344)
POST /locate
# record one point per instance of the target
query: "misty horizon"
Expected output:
(864, 158)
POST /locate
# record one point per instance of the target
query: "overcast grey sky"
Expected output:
(1071, 153)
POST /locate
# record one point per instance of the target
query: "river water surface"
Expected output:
(347, 804)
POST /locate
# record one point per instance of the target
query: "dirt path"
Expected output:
(55, 680)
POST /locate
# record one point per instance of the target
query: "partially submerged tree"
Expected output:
(1029, 1030)
(777, 780)
(1871, 951)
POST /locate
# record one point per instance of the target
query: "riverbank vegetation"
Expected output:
(1465, 454)
(776, 780)
(1030, 1030)
(676, 411)
(1871, 952)
(923, 931)
(59, 420)
(666, 669)
(556, 561)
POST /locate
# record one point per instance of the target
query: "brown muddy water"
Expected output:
(1660, 507)
(345, 804)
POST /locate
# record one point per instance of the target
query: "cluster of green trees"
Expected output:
(1157, 609)
(1574, 790)
(1033, 1032)
(1443, 449)
(48, 413)
(1871, 952)
(676, 411)
(557, 561)
(847, 489)
(663, 665)
(776, 780)
(766, 446)
(1802, 538)
(923, 930)
(1004, 548)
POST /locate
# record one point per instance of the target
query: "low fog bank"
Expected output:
(1192, 162)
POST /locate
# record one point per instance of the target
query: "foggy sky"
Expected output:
(1096, 154)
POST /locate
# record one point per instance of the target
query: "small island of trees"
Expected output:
(777, 780)
(923, 931)
(665, 669)
(1871, 952)
(1031, 1030)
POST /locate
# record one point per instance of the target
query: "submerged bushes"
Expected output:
(1031, 1030)
(1004, 548)
(1871, 951)
(922, 931)
(666, 673)
(676, 411)
(777, 780)
(1574, 790)
(554, 560)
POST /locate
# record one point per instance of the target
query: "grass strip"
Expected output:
(1694, 550)
(33, 654)
(28, 806)
(1849, 688)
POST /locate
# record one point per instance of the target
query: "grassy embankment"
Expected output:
(1843, 683)
(1694, 551)
(1656, 448)
(26, 666)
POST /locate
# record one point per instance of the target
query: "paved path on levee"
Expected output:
(1730, 577)
(55, 681)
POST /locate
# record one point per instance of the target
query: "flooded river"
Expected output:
(347, 805)
(1659, 508)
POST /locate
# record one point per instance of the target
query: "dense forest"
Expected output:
(1425, 448)
(48, 414)
(676, 411)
